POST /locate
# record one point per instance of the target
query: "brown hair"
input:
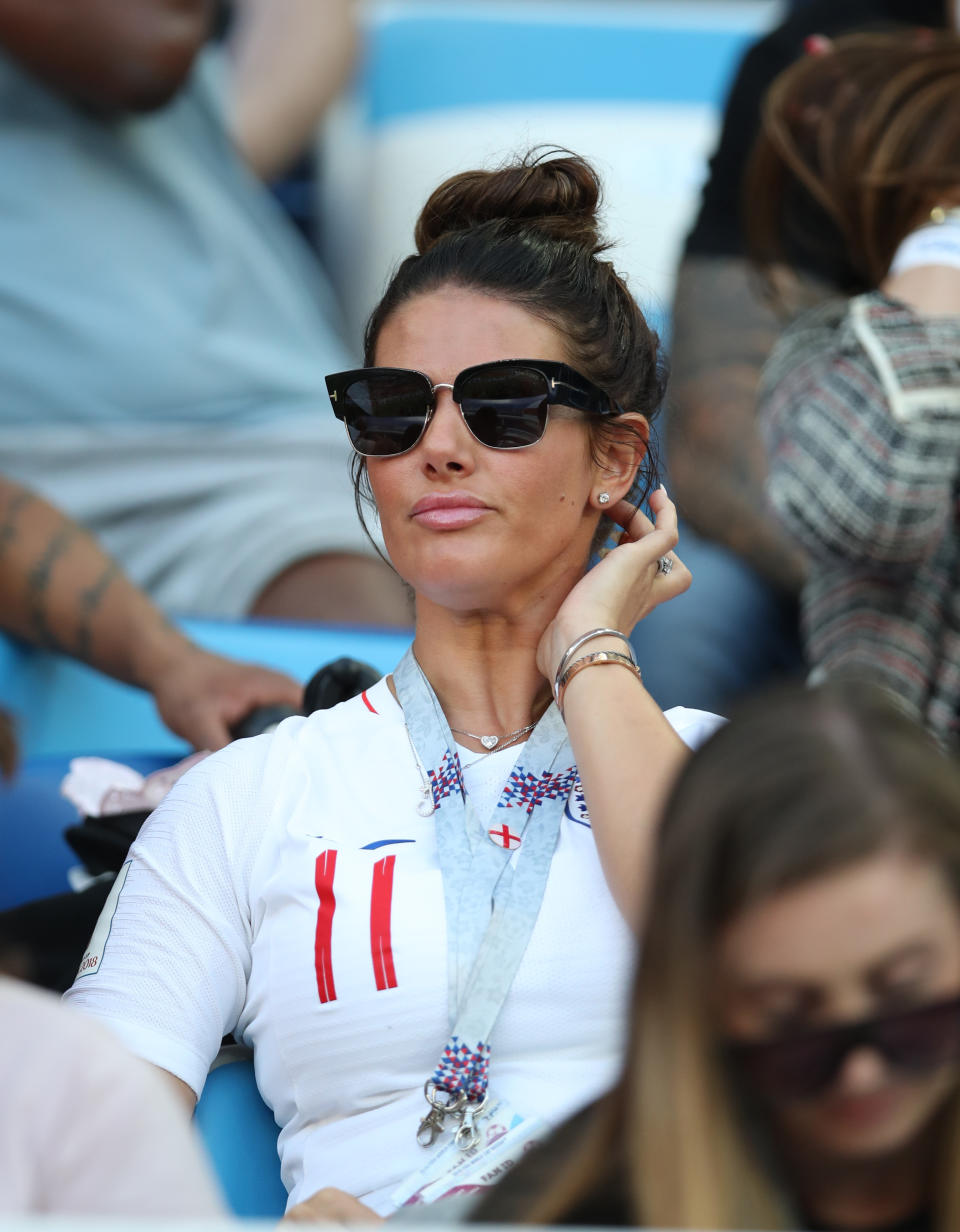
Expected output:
(798, 784)
(529, 232)
(869, 132)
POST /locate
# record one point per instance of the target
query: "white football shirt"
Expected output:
(287, 891)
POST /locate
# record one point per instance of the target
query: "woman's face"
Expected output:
(468, 526)
(875, 938)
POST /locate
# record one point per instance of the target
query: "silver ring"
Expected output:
(664, 565)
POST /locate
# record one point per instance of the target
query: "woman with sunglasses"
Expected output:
(406, 904)
(794, 1056)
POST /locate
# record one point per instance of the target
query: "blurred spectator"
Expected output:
(861, 398)
(794, 1058)
(166, 333)
(85, 1128)
(738, 624)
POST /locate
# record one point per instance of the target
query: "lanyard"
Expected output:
(492, 889)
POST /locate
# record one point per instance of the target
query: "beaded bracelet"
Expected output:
(597, 659)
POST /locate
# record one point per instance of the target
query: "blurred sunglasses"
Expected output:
(799, 1066)
(504, 404)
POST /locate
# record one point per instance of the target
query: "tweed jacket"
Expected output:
(860, 411)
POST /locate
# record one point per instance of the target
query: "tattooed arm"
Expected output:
(722, 334)
(60, 591)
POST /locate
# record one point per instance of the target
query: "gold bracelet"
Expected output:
(599, 657)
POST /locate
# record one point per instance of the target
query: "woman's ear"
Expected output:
(619, 449)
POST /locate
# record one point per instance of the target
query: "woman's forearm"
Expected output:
(627, 756)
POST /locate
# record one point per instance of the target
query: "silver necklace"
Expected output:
(426, 806)
(491, 742)
(506, 745)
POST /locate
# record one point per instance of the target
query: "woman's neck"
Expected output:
(875, 1193)
(482, 667)
(930, 290)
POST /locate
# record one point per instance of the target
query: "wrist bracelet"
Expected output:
(582, 641)
(594, 660)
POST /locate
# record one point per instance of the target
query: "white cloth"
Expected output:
(86, 1129)
(270, 846)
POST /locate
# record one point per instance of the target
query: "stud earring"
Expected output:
(603, 498)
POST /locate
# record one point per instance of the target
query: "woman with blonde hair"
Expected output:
(794, 1054)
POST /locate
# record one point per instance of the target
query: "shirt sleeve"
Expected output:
(167, 966)
(693, 726)
(862, 425)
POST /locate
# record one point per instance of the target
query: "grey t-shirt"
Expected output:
(145, 276)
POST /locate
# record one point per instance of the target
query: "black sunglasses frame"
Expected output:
(564, 387)
(756, 1062)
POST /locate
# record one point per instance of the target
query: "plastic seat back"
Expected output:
(240, 1135)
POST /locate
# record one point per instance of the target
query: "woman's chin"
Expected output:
(455, 574)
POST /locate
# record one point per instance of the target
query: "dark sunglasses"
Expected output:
(803, 1065)
(504, 403)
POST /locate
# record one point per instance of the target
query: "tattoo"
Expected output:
(38, 580)
(724, 330)
(89, 602)
(8, 528)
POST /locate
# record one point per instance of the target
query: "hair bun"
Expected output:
(555, 192)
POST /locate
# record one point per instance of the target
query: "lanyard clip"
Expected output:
(468, 1136)
(442, 1104)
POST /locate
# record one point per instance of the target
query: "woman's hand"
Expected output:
(623, 587)
(333, 1206)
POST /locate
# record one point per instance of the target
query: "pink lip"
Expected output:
(857, 1112)
(449, 510)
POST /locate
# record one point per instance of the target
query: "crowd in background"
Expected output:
(166, 446)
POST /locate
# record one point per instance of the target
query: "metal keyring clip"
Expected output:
(431, 1127)
(468, 1136)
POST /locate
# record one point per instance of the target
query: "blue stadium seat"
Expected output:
(240, 1135)
(34, 856)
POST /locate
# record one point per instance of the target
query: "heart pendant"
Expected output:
(489, 742)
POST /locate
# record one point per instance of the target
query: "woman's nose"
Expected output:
(447, 440)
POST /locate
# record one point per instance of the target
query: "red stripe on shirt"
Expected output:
(326, 867)
(366, 702)
(381, 902)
